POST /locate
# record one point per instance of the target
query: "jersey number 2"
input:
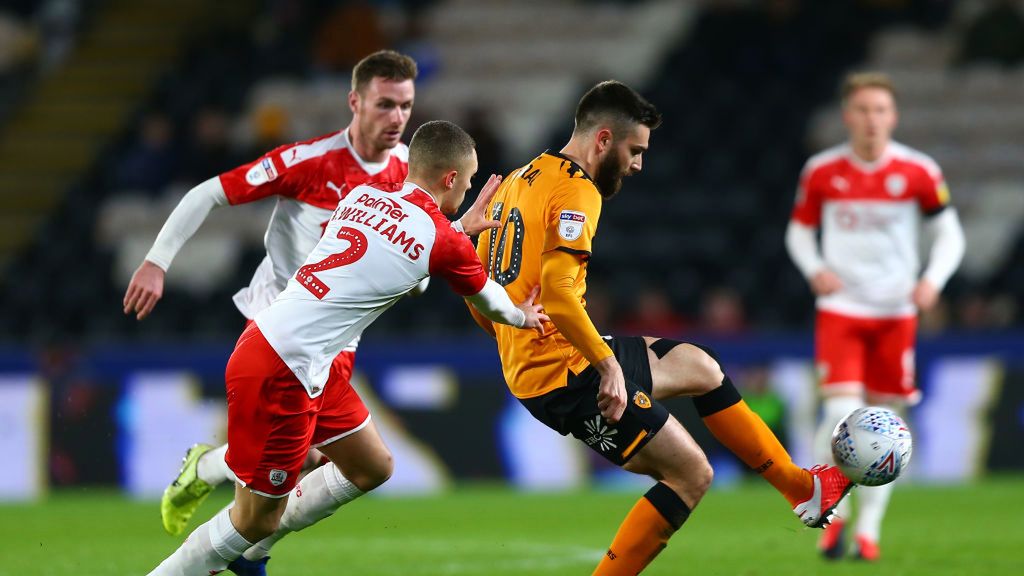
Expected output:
(514, 226)
(356, 249)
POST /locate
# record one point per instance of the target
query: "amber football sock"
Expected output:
(743, 432)
(644, 532)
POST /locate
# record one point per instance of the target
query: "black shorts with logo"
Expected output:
(573, 409)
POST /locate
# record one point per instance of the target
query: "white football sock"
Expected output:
(316, 497)
(208, 549)
(212, 468)
(871, 504)
(833, 410)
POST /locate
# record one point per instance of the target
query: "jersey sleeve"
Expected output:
(571, 217)
(454, 258)
(807, 209)
(268, 175)
(933, 193)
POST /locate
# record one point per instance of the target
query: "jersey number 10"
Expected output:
(513, 225)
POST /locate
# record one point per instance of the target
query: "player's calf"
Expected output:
(254, 516)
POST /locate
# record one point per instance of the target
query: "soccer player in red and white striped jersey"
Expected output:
(868, 197)
(380, 242)
(307, 179)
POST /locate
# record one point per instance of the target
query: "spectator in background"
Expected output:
(995, 36)
(489, 147)
(755, 384)
(416, 42)
(149, 164)
(58, 20)
(269, 125)
(653, 315)
(18, 44)
(346, 35)
(209, 151)
(722, 312)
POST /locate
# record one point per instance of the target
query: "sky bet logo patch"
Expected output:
(261, 173)
(570, 224)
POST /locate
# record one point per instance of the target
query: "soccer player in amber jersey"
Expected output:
(381, 242)
(606, 392)
(307, 179)
(868, 197)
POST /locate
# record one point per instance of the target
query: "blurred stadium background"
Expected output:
(111, 109)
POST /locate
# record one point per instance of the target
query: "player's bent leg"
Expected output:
(812, 493)
(360, 462)
(256, 516)
(214, 545)
(314, 460)
(674, 459)
(681, 369)
(362, 457)
(185, 493)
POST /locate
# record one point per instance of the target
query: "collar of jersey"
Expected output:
(412, 187)
(371, 168)
(570, 161)
(869, 167)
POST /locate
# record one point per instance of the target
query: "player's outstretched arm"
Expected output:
(147, 284)
(493, 302)
(476, 220)
(481, 320)
(559, 271)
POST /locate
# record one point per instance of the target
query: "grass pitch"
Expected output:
(493, 531)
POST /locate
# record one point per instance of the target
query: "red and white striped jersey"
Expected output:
(380, 242)
(869, 215)
(308, 178)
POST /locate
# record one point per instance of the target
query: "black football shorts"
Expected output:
(573, 409)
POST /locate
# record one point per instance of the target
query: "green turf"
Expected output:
(490, 531)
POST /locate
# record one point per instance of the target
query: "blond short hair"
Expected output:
(857, 80)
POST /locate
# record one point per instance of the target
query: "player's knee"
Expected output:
(703, 477)
(374, 473)
(704, 369)
(693, 482)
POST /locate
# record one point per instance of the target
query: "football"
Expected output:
(872, 446)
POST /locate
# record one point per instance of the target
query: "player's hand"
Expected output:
(146, 287)
(535, 316)
(611, 396)
(825, 282)
(475, 220)
(926, 295)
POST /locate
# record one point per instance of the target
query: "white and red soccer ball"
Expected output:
(872, 446)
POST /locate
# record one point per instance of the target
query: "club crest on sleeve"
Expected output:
(570, 224)
(277, 477)
(261, 173)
